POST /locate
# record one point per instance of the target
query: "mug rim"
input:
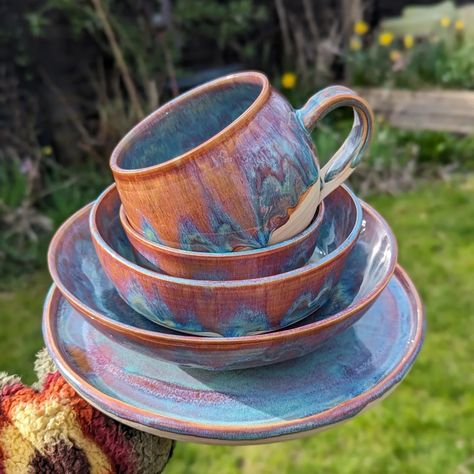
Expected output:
(254, 76)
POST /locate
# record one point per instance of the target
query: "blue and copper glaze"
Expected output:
(226, 164)
(281, 401)
(255, 263)
(225, 308)
(77, 272)
(341, 165)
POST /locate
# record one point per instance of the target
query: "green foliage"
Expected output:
(27, 219)
(369, 67)
(440, 148)
(37, 23)
(22, 226)
(226, 23)
(424, 427)
(457, 70)
(78, 14)
(134, 55)
(13, 182)
(69, 190)
(152, 50)
(136, 38)
(445, 59)
(392, 145)
(21, 303)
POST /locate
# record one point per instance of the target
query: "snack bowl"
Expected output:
(240, 265)
(230, 307)
(82, 283)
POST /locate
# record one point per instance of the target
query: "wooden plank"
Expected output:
(420, 122)
(440, 110)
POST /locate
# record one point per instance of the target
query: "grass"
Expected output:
(20, 316)
(425, 426)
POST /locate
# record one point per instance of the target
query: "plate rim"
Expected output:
(228, 433)
(244, 441)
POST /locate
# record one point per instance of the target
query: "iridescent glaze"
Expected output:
(272, 260)
(226, 308)
(231, 165)
(281, 401)
(80, 278)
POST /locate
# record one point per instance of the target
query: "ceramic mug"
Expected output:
(230, 165)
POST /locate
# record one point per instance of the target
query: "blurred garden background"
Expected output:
(77, 74)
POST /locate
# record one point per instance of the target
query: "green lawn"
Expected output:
(425, 426)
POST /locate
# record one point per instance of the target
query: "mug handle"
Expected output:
(342, 164)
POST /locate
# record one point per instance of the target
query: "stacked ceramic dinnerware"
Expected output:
(223, 245)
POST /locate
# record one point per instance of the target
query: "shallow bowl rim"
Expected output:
(250, 282)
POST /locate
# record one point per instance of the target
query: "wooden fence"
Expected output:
(440, 110)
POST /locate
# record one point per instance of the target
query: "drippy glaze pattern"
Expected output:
(79, 276)
(225, 308)
(256, 263)
(224, 165)
(272, 403)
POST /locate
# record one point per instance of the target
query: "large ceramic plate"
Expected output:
(281, 401)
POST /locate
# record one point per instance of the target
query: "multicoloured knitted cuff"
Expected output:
(50, 429)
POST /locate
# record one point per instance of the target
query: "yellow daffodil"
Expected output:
(288, 80)
(408, 41)
(395, 55)
(47, 150)
(459, 25)
(361, 28)
(355, 44)
(445, 22)
(386, 38)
